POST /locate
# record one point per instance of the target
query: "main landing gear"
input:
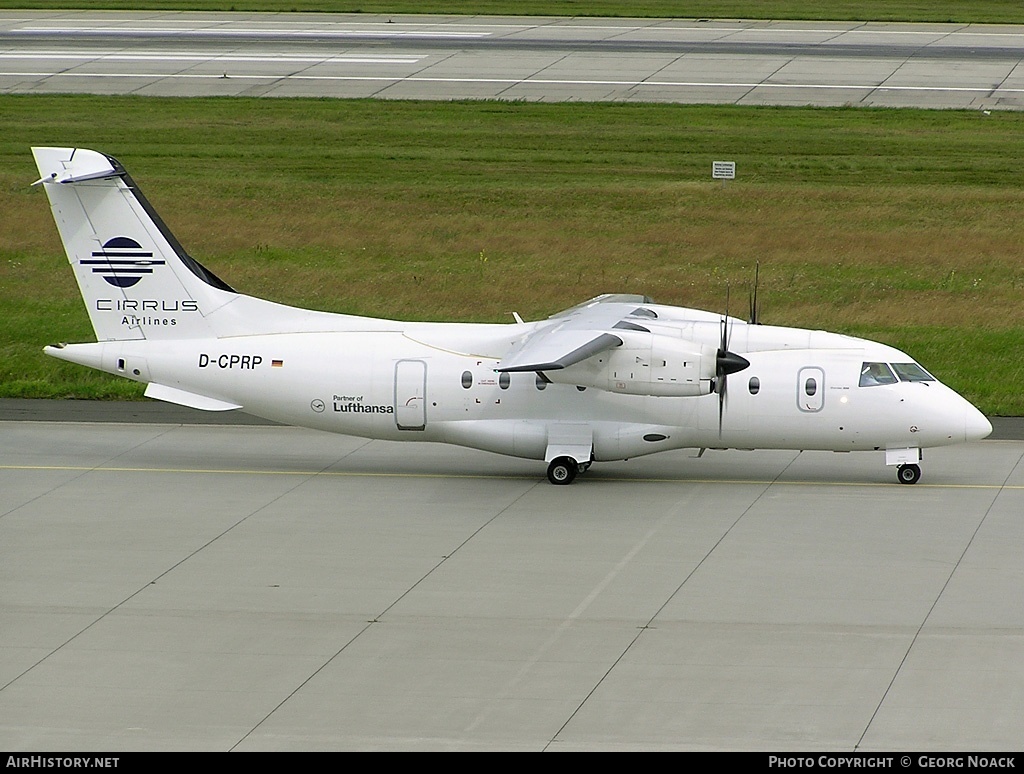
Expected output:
(563, 470)
(908, 474)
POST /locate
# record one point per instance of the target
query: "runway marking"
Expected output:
(228, 31)
(453, 30)
(513, 476)
(524, 82)
(189, 57)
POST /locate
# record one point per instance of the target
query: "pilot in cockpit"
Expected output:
(875, 373)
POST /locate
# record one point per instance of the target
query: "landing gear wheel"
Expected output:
(562, 470)
(908, 474)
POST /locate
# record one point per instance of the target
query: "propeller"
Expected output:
(726, 363)
(755, 309)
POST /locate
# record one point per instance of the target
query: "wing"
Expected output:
(576, 334)
(553, 349)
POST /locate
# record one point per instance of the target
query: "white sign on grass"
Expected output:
(723, 170)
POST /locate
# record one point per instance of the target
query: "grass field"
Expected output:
(978, 11)
(900, 225)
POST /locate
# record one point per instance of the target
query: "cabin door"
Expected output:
(411, 394)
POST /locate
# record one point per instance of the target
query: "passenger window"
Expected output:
(811, 387)
(467, 380)
(504, 380)
(541, 382)
(872, 374)
(754, 385)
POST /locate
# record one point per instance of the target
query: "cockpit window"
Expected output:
(875, 373)
(912, 372)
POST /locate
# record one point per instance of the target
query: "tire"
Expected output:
(562, 470)
(908, 474)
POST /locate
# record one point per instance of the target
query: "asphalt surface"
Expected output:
(201, 587)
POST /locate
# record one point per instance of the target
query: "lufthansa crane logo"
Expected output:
(122, 262)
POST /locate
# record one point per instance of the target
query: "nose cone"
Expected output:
(950, 417)
(976, 426)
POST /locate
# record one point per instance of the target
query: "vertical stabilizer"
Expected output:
(136, 279)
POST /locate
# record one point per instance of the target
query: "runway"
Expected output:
(517, 58)
(211, 587)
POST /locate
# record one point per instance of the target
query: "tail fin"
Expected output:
(136, 279)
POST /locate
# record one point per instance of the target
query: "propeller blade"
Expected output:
(755, 310)
(721, 403)
(724, 345)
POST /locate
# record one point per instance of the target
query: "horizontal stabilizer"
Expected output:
(71, 165)
(190, 399)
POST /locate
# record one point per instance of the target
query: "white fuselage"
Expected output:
(436, 382)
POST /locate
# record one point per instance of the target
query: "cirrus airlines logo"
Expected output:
(122, 262)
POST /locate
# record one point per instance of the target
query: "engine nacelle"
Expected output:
(646, 364)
